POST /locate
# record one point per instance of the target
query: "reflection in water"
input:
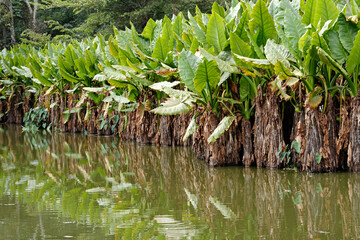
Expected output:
(91, 187)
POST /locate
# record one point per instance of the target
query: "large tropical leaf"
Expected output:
(276, 52)
(81, 69)
(258, 63)
(118, 83)
(224, 65)
(335, 46)
(233, 12)
(64, 73)
(180, 94)
(173, 106)
(163, 44)
(140, 42)
(149, 30)
(191, 129)
(207, 73)
(243, 24)
(238, 46)
(294, 29)
(347, 31)
(319, 10)
(198, 32)
(94, 89)
(216, 8)
(114, 74)
(328, 60)
(353, 60)
(188, 63)
(223, 126)
(178, 25)
(262, 24)
(159, 86)
(43, 80)
(23, 71)
(114, 49)
(215, 34)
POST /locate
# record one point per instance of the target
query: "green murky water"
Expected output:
(63, 186)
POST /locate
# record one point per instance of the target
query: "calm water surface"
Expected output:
(67, 186)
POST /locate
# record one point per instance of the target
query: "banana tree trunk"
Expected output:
(268, 134)
(297, 134)
(15, 112)
(2, 111)
(180, 124)
(319, 141)
(248, 155)
(354, 141)
(342, 140)
(226, 150)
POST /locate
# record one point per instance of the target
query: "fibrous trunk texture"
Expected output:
(319, 145)
(342, 140)
(297, 135)
(268, 130)
(248, 156)
(354, 140)
(14, 108)
(226, 150)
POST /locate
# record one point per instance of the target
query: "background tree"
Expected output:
(36, 22)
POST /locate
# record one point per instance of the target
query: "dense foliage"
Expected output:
(38, 22)
(220, 61)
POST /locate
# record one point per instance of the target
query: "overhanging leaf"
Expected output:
(94, 89)
(318, 158)
(191, 129)
(335, 46)
(259, 63)
(328, 60)
(223, 126)
(172, 106)
(159, 86)
(347, 31)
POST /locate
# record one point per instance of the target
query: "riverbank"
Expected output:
(270, 139)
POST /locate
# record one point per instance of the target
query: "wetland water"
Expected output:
(92, 187)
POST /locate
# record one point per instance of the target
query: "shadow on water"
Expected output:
(91, 187)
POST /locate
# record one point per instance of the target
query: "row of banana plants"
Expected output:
(248, 62)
